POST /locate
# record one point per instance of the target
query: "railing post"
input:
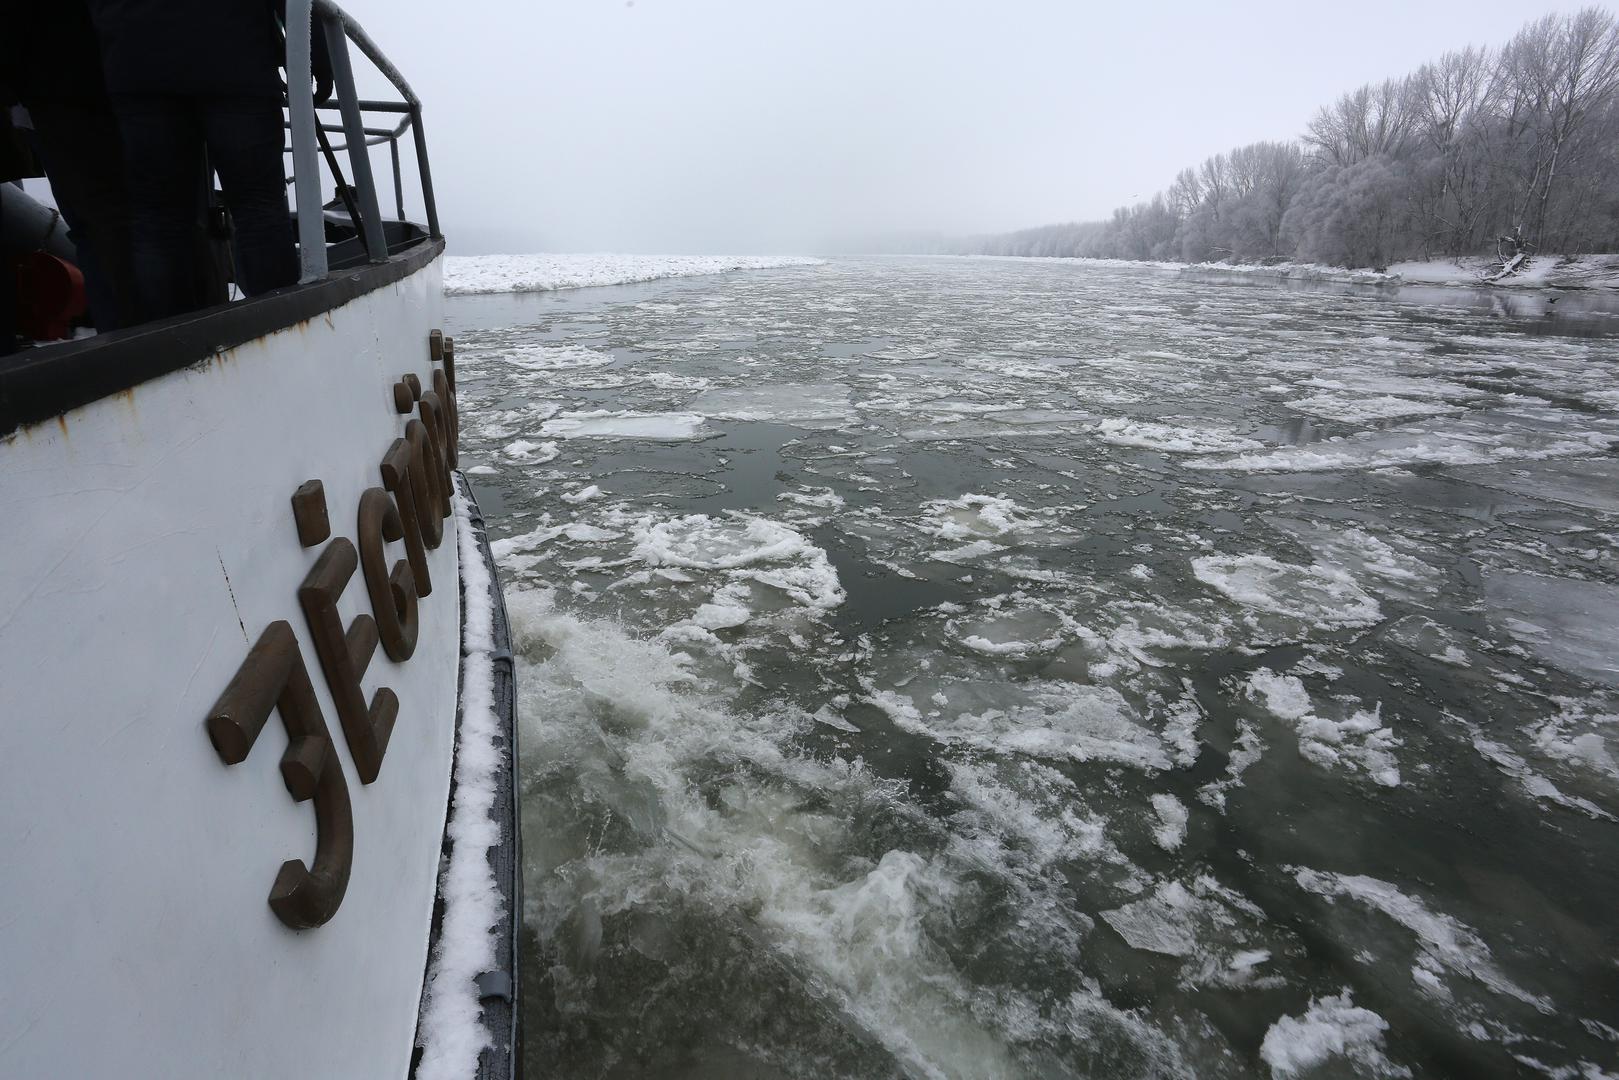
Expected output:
(305, 167)
(426, 172)
(337, 44)
(399, 184)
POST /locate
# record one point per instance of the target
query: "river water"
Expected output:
(976, 668)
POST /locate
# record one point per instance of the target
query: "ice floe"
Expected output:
(623, 424)
(1353, 409)
(824, 405)
(553, 358)
(582, 495)
(968, 517)
(1246, 750)
(1332, 1027)
(1427, 638)
(1220, 936)
(531, 453)
(1376, 560)
(1358, 742)
(1320, 594)
(1586, 482)
(1170, 832)
(747, 549)
(1468, 440)
(1045, 719)
(1534, 784)
(1580, 736)
(1010, 630)
(1445, 945)
(1569, 623)
(1173, 439)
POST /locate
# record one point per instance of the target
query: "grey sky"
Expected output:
(789, 125)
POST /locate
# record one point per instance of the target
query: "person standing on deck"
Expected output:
(190, 78)
(51, 62)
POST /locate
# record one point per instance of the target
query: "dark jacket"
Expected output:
(49, 53)
(189, 47)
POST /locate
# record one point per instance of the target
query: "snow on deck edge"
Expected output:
(452, 1032)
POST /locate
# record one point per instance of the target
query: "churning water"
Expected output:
(968, 668)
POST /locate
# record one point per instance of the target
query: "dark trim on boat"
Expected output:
(498, 988)
(43, 383)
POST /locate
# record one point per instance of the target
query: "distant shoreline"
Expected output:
(480, 275)
(1578, 272)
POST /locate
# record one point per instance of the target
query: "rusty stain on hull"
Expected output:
(127, 395)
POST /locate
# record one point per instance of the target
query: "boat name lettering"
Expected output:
(411, 505)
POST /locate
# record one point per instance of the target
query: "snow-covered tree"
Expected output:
(1474, 145)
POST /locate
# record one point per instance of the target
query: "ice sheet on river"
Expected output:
(1475, 439)
(623, 424)
(1444, 945)
(1324, 595)
(1587, 482)
(1173, 438)
(1357, 409)
(813, 405)
(1222, 938)
(972, 526)
(1063, 721)
(1571, 624)
(543, 273)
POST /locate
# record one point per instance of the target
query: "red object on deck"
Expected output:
(50, 295)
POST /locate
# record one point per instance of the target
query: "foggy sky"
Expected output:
(742, 126)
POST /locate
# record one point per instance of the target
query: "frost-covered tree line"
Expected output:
(1445, 161)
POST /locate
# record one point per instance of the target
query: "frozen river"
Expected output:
(970, 668)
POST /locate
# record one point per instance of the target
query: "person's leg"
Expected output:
(8, 303)
(162, 161)
(244, 145)
(82, 153)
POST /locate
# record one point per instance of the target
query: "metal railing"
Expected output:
(308, 134)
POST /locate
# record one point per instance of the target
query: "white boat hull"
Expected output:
(151, 542)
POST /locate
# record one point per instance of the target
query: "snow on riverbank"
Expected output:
(1296, 271)
(464, 274)
(1543, 272)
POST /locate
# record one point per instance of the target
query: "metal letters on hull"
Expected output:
(411, 506)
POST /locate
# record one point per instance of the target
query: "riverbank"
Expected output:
(1543, 272)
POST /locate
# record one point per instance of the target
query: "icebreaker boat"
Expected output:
(257, 813)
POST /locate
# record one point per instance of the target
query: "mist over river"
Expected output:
(980, 668)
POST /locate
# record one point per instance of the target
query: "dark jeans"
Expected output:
(8, 303)
(79, 146)
(165, 138)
